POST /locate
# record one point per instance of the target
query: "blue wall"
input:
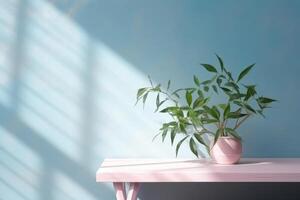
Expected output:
(168, 39)
(67, 86)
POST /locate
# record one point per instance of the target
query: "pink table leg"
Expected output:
(133, 191)
(121, 191)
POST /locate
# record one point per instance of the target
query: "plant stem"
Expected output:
(224, 126)
(239, 123)
(169, 97)
(204, 129)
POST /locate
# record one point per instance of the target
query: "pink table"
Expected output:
(136, 171)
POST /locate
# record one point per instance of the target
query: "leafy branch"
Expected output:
(193, 114)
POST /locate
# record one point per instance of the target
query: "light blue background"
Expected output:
(68, 84)
(167, 39)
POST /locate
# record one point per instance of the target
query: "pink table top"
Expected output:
(202, 170)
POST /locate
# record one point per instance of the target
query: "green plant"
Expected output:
(192, 113)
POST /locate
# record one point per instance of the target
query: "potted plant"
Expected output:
(195, 118)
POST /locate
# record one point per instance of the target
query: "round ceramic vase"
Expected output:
(226, 151)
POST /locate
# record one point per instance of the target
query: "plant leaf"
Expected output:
(195, 120)
(157, 101)
(189, 97)
(140, 92)
(233, 85)
(173, 134)
(219, 81)
(212, 112)
(155, 136)
(225, 89)
(193, 147)
(265, 100)
(185, 108)
(173, 123)
(179, 144)
(218, 134)
(199, 102)
(209, 121)
(206, 88)
(182, 127)
(226, 111)
(233, 133)
(229, 75)
(169, 84)
(196, 81)
(157, 88)
(238, 103)
(144, 98)
(160, 105)
(164, 134)
(220, 62)
(215, 89)
(223, 106)
(199, 112)
(206, 82)
(215, 109)
(209, 68)
(173, 110)
(149, 78)
(176, 94)
(250, 92)
(249, 108)
(235, 115)
(245, 72)
(222, 76)
(169, 109)
(200, 94)
(261, 113)
(235, 96)
(200, 139)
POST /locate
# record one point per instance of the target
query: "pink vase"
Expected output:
(227, 150)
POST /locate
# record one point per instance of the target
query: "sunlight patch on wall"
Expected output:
(75, 96)
(19, 168)
(121, 124)
(52, 87)
(8, 10)
(67, 189)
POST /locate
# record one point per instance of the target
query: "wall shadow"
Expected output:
(53, 159)
(55, 163)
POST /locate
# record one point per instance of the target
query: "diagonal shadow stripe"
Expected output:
(51, 156)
